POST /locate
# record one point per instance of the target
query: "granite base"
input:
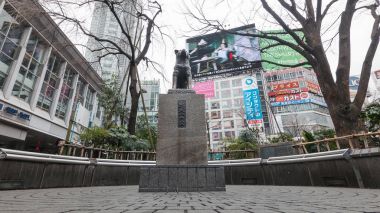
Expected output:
(182, 178)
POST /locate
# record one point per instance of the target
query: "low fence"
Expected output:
(345, 168)
(92, 152)
(363, 141)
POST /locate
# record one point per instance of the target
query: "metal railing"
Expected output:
(94, 152)
(10, 154)
(363, 140)
(329, 155)
(102, 153)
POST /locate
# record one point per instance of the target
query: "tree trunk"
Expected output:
(347, 121)
(134, 100)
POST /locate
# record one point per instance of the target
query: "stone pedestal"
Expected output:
(181, 152)
(182, 137)
(182, 179)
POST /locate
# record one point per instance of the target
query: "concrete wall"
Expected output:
(339, 172)
(27, 175)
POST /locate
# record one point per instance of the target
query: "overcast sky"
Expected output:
(236, 13)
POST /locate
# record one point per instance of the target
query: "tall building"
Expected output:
(43, 77)
(150, 91)
(296, 101)
(104, 25)
(226, 109)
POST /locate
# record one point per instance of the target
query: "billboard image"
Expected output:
(206, 88)
(222, 53)
(280, 54)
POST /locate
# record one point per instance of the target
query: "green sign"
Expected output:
(280, 54)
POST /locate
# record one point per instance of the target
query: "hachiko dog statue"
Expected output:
(182, 72)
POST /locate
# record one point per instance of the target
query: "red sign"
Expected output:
(258, 121)
(291, 97)
(288, 85)
(313, 88)
(287, 91)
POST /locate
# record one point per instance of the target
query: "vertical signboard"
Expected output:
(252, 102)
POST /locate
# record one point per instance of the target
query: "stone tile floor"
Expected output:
(235, 199)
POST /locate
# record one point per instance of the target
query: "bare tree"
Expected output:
(309, 15)
(136, 19)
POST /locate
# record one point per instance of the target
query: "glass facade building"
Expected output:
(39, 79)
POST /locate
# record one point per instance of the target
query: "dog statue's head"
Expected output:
(182, 57)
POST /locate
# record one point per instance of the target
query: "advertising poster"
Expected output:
(206, 88)
(252, 102)
(280, 54)
(221, 53)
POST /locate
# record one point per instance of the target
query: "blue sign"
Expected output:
(290, 102)
(252, 104)
(11, 110)
(15, 112)
(353, 82)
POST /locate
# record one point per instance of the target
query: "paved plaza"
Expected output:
(235, 199)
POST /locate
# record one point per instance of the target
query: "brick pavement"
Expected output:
(235, 199)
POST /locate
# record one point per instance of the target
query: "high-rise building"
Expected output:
(104, 25)
(43, 77)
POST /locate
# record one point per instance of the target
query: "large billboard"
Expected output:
(223, 54)
(280, 54)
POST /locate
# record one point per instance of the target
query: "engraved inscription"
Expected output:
(181, 113)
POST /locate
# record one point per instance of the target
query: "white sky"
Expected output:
(234, 13)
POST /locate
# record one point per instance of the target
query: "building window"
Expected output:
(64, 97)
(229, 134)
(80, 91)
(226, 94)
(216, 136)
(224, 84)
(10, 34)
(228, 124)
(27, 75)
(236, 83)
(226, 104)
(216, 125)
(237, 92)
(215, 115)
(228, 114)
(50, 84)
(89, 99)
(215, 105)
(238, 102)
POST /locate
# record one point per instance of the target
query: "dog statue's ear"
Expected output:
(175, 51)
